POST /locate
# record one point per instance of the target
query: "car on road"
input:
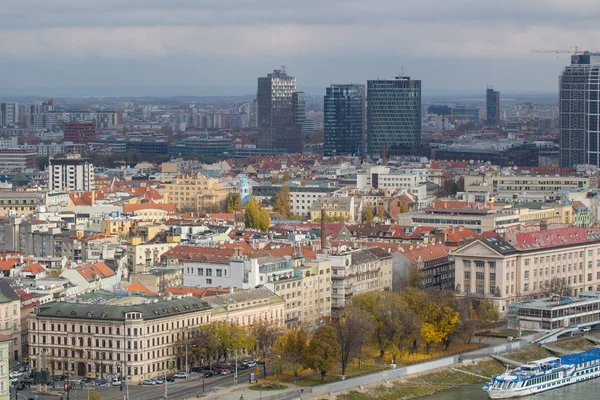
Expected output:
(208, 374)
(181, 374)
(99, 381)
(160, 380)
(249, 363)
(13, 381)
(225, 371)
(15, 374)
(116, 382)
(150, 382)
(170, 379)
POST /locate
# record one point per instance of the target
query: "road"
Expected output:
(178, 390)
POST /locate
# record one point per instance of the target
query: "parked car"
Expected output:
(15, 374)
(181, 374)
(198, 369)
(13, 381)
(225, 371)
(86, 381)
(27, 379)
(99, 381)
(259, 361)
(170, 379)
(208, 374)
(250, 363)
(116, 382)
(243, 366)
(150, 382)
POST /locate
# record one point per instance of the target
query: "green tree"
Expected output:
(282, 201)
(234, 202)
(487, 315)
(323, 350)
(264, 220)
(369, 215)
(293, 346)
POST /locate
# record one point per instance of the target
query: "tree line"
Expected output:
(395, 323)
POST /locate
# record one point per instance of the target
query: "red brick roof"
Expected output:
(8, 264)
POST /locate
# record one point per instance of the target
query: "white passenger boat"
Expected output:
(546, 374)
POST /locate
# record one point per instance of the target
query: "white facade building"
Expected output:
(70, 174)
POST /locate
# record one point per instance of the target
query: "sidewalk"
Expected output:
(234, 393)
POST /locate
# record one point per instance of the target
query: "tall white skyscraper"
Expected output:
(9, 114)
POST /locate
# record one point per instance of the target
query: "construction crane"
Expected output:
(560, 51)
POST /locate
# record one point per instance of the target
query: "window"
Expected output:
(526, 287)
(209, 272)
(209, 281)
(492, 264)
(479, 276)
(527, 262)
(466, 263)
(468, 274)
(492, 289)
(527, 274)
(492, 276)
(200, 271)
(479, 264)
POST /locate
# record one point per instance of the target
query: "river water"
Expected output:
(589, 390)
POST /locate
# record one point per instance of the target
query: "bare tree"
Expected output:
(557, 286)
(352, 327)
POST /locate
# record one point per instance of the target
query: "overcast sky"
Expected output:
(221, 46)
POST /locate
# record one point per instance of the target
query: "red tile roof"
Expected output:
(222, 253)
(427, 253)
(130, 208)
(8, 264)
(196, 292)
(137, 288)
(34, 268)
(99, 269)
(554, 238)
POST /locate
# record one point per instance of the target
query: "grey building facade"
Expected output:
(579, 94)
(344, 120)
(393, 115)
(276, 114)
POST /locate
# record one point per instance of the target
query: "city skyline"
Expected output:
(147, 48)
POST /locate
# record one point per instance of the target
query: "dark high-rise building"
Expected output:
(276, 114)
(79, 132)
(492, 107)
(579, 110)
(393, 115)
(299, 106)
(344, 119)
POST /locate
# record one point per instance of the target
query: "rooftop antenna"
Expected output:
(283, 68)
(402, 72)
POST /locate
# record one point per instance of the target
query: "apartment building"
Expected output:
(70, 173)
(195, 193)
(248, 307)
(531, 185)
(348, 208)
(5, 344)
(523, 263)
(10, 319)
(134, 336)
(301, 197)
(357, 271)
